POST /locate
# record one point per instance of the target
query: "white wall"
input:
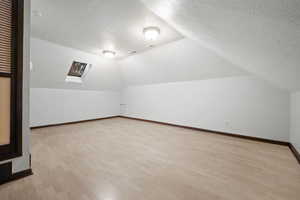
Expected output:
(295, 120)
(242, 105)
(52, 106)
(181, 83)
(187, 84)
(53, 100)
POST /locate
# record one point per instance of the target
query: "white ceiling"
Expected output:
(260, 36)
(95, 25)
(182, 60)
(52, 62)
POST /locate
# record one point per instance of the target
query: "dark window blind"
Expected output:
(6, 27)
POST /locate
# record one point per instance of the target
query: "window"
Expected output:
(77, 69)
(77, 72)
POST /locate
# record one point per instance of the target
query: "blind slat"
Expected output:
(6, 50)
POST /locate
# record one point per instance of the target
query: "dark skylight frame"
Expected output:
(77, 69)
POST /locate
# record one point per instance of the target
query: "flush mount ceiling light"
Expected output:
(151, 33)
(109, 54)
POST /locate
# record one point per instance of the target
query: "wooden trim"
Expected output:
(295, 152)
(293, 149)
(15, 146)
(4, 150)
(17, 176)
(19, 77)
(5, 171)
(7, 176)
(215, 132)
(75, 122)
(8, 75)
(21, 174)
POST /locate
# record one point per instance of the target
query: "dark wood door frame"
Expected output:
(14, 149)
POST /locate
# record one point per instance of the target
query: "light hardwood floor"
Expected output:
(122, 159)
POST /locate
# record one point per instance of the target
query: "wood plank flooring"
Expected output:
(122, 159)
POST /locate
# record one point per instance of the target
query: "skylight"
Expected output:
(77, 72)
(77, 69)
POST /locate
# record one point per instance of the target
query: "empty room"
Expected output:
(152, 100)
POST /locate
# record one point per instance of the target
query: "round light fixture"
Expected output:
(109, 54)
(151, 33)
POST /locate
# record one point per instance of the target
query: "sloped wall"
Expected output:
(53, 100)
(259, 36)
(185, 84)
(181, 83)
(52, 62)
(183, 60)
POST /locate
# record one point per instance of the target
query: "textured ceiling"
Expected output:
(52, 62)
(260, 36)
(95, 25)
(182, 60)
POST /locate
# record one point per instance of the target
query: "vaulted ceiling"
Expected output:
(97, 25)
(182, 60)
(52, 62)
(260, 37)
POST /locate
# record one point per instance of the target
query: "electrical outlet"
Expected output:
(227, 123)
